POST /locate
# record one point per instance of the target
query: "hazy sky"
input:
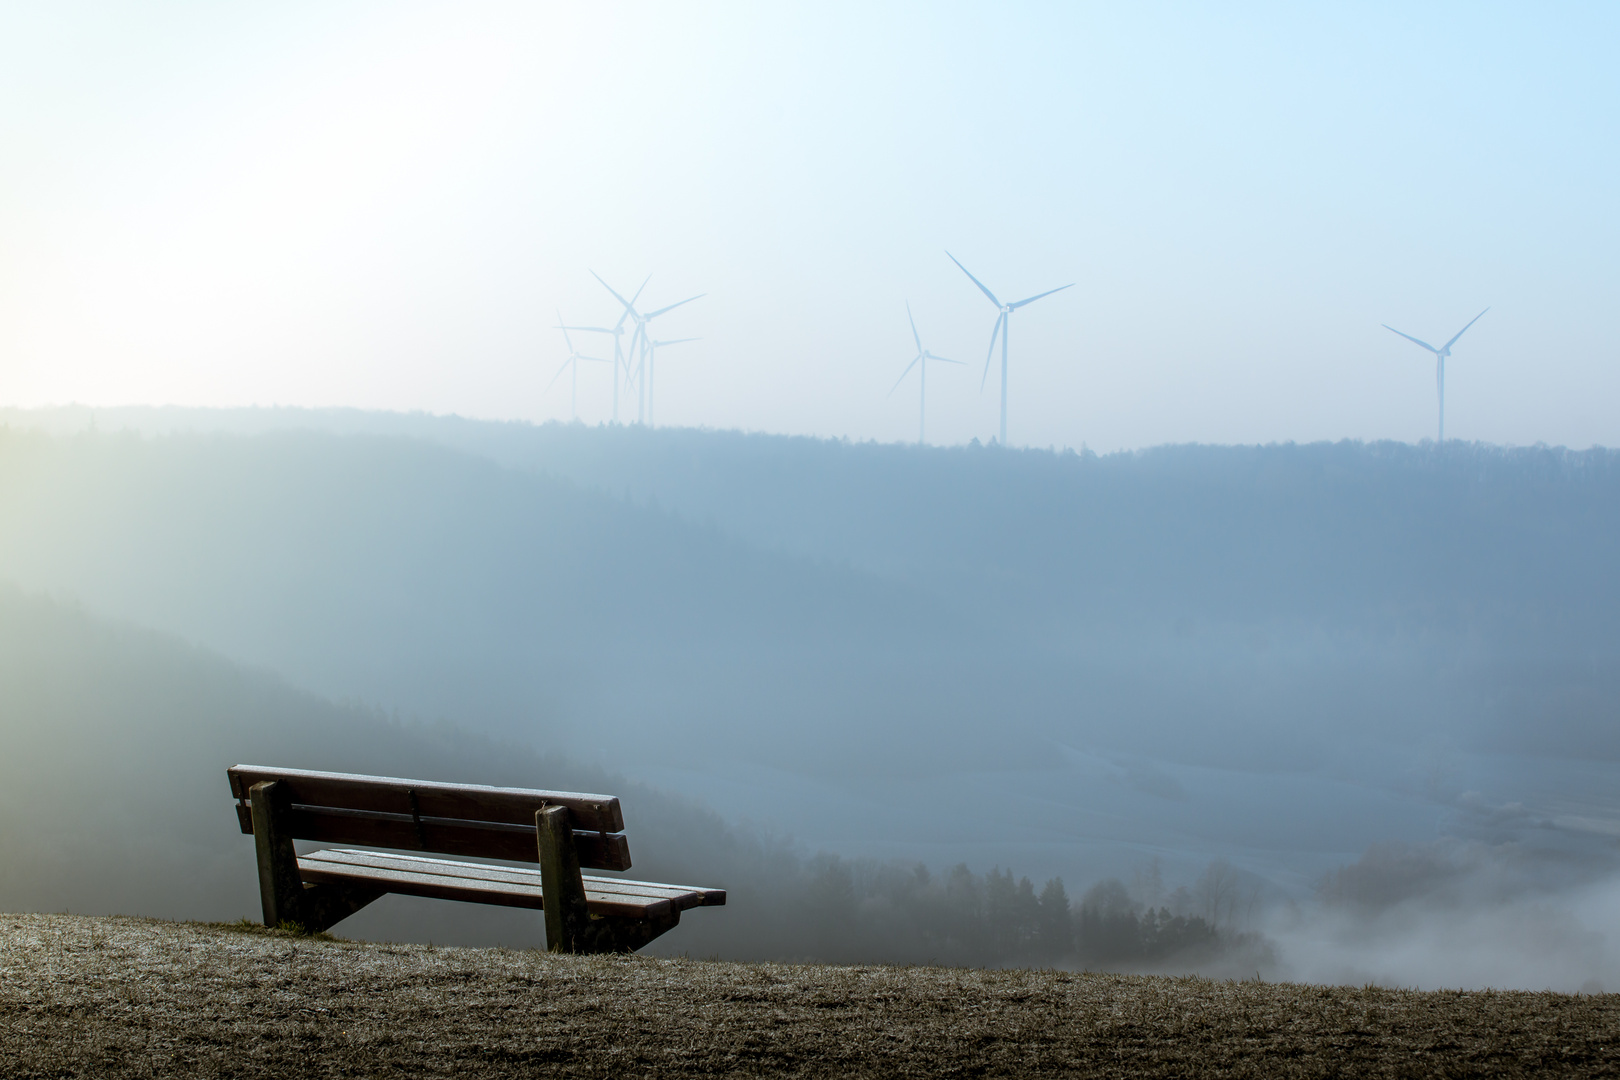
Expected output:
(383, 205)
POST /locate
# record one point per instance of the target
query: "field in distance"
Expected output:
(111, 997)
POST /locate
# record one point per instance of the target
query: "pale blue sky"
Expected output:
(382, 204)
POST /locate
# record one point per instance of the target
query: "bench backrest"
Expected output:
(446, 819)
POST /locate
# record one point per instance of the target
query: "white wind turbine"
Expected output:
(1440, 355)
(1002, 320)
(571, 365)
(617, 330)
(640, 339)
(652, 354)
(919, 361)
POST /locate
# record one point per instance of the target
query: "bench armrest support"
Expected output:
(279, 883)
(567, 917)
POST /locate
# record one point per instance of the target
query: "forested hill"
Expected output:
(398, 571)
(1511, 543)
(1464, 536)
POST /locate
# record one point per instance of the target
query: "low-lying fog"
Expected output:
(1356, 702)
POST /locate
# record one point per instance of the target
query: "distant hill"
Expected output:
(1463, 538)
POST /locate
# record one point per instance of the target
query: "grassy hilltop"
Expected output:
(127, 997)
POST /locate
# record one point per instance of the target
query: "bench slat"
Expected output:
(395, 795)
(446, 836)
(505, 886)
(683, 896)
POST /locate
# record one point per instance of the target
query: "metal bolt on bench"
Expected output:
(563, 831)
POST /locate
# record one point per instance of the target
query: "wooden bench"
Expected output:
(562, 831)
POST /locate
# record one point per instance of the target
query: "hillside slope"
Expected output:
(113, 799)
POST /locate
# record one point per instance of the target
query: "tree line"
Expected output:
(863, 910)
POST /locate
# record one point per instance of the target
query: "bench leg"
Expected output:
(327, 904)
(567, 918)
(280, 886)
(570, 927)
(283, 895)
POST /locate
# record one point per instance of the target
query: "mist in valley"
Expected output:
(1336, 712)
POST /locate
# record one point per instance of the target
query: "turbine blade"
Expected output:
(1416, 341)
(628, 310)
(636, 297)
(1463, 331)
(991, 354)
(557, 376)
(914, 335)
(673, 306)
(677, 341)
(942, 359)
(610, 289)
(975, 280)
(902, 377)
(591, 329)
(564, 329)
(1032, 299)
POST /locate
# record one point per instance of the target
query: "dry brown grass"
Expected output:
(118, 997)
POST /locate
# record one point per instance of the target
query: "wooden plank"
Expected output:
(706, 897)
(447, 836)
(440, 886)
(682, 896)
(396, 795)
(434, 886)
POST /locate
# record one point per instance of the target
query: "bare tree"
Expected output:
(1217, 893)
(1147, 885)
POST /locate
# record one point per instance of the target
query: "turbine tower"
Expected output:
(640, 339)
(616, 330)
(1002, 320)
(922, 358)
(572, 365)
(1440, 355)
(652, 354)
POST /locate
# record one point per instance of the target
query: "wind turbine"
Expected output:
(652, 354)
(1002, 320)
(922, 358)
(640, 339)
(571, 364)
(1440, 355)
(617, 330)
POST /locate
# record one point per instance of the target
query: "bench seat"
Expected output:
(508, 886)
